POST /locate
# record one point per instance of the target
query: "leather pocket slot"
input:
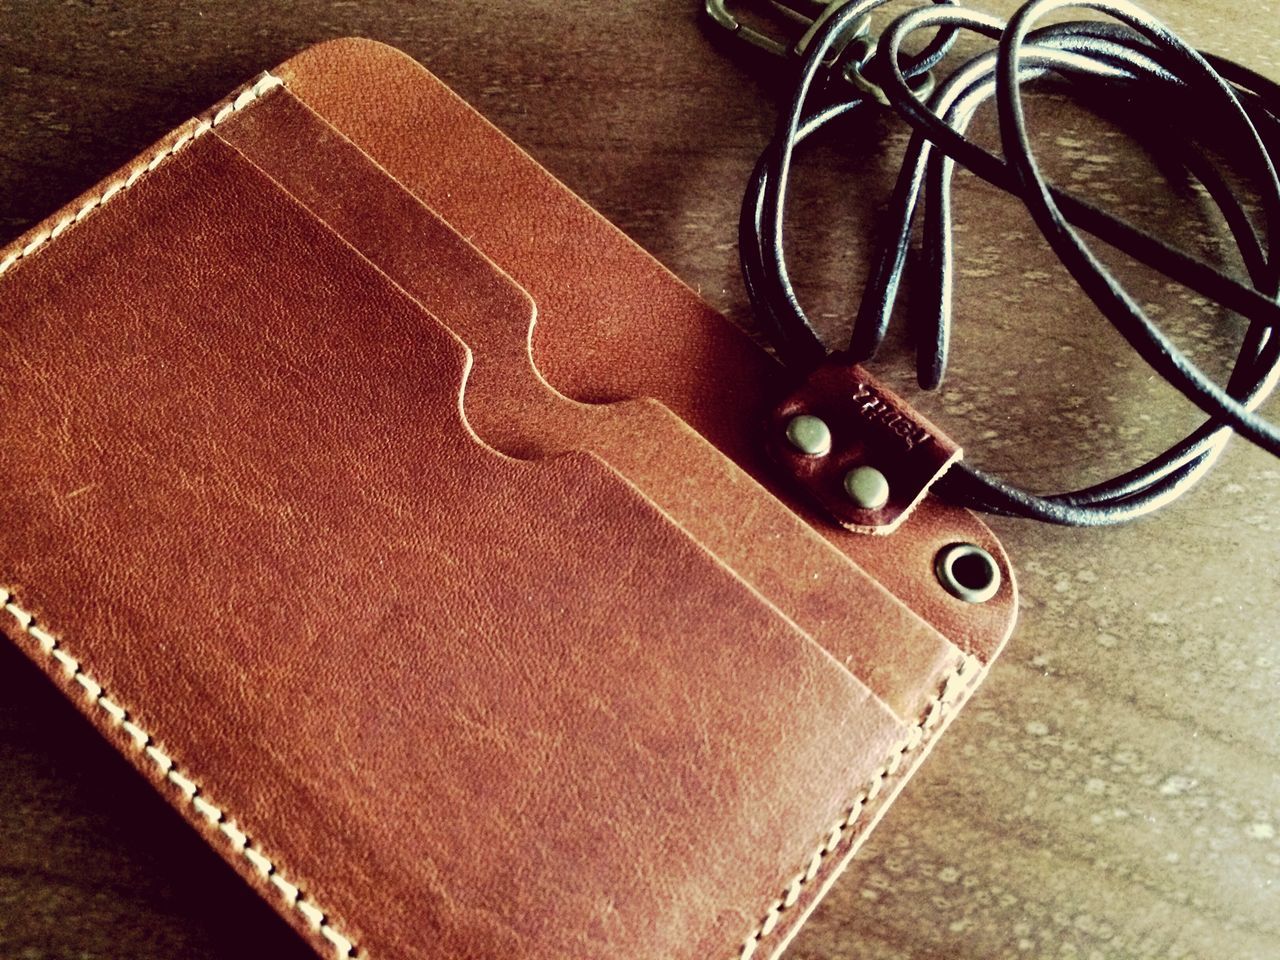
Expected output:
(512, 408)
(614, 323)
(507, 702)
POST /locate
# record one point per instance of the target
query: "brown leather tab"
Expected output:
(870, 426)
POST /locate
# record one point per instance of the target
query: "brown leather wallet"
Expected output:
(414, 531)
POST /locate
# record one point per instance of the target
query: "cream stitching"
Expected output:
(952, 689)
(50, 645)
(202, 126)
(189, 789)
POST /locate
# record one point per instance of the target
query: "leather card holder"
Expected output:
(379, 511)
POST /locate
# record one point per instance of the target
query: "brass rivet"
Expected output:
(810, 435)
(867, 487)
(967, 572)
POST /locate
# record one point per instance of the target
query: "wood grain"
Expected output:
(1113, 791)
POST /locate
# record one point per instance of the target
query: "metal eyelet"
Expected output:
(967, 572)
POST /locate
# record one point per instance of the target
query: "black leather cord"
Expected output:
(1195, 107)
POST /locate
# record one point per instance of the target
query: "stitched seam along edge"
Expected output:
(119, 717)
(952, 690)
(199, 128)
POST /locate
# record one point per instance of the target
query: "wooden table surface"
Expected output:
(1114, 789)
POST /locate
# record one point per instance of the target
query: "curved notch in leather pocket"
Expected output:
(614, 323)
(512, 408)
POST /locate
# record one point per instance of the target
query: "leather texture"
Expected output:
(899, 656)
(457, 635)
(612, 322)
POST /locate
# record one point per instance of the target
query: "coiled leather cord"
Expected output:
(1130, 62)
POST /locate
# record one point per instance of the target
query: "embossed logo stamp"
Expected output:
(877, 410)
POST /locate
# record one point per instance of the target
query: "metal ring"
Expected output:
(967, 572)
(860, 52)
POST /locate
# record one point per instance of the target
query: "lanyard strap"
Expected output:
(1192, 107)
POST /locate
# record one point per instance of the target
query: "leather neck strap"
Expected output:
(1134, 67)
